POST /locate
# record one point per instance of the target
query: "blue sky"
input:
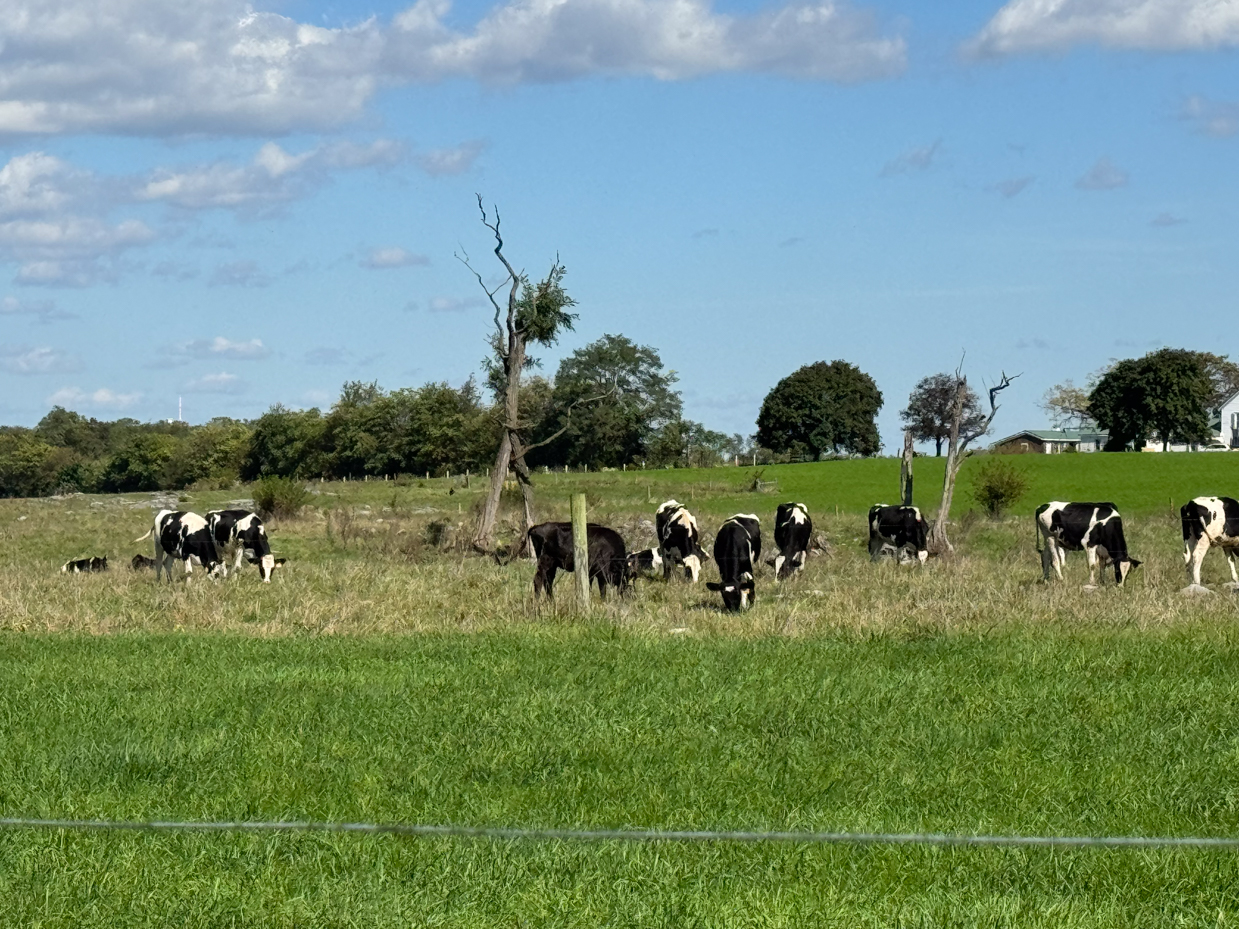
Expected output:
(242, 206)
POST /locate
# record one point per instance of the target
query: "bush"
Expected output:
(281, 497)
(998, 486)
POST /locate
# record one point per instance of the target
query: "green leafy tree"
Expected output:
(683, 443)
(822, 408)
(141, 464)
(931, 406)
(637, 400)
(1166, 393)
(285, 443)
(212, 453)
(27, 464)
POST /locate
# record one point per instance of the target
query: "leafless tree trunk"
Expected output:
(957, 452)
(905, 470)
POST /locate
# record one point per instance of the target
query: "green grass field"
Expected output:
(382, 678)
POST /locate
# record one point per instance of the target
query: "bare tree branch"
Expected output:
(1002, 385)
(490, 294)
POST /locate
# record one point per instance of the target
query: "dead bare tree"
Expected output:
(958, 452)
(534, 313)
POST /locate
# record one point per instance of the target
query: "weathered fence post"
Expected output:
(905, 470)
(580, 551)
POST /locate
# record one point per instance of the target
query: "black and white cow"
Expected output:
(898, 531)
(552, 547)
(737, 548)
(1095, 527)
(792, 531)
(85, 566)
(1210, 521)
(240, 534)
(184, 536)
(645, 563)
(141, 563)
(679, 542)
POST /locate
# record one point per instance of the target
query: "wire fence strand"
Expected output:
(512, 833)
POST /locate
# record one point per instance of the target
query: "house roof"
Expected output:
(1045, 435)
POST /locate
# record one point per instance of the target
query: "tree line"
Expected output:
(372, 432)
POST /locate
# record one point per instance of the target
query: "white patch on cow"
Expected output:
(745, 516)
(693, 564)
(744, 598)
(669, 505)
(799, 514)
(656, 559)
(265, 567)
(244, 523)
(778, 563)
(685, 519)
(922, 556)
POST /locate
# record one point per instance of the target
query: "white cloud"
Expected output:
(381, 259)
(182, 353)
(553, 40)
(1215, 118)
(42, 310)
(1054, 25)
(1104, 175)
(222, 383)
(103, 398)
(148, 67)
(446, 161)
(274, 176)
(41, 360)
(918, 159)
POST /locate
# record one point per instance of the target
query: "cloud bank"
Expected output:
(219, 67)
(1024, 26)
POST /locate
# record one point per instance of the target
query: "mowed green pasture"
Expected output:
(1098, 732)
(382, 677)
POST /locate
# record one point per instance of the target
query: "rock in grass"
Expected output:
(1195, 590)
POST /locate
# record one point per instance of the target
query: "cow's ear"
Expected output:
(711, 585)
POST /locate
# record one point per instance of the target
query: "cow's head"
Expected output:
(1123, 566)
(737, 595)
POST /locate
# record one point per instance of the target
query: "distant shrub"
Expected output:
(998, 485)
(279, 497)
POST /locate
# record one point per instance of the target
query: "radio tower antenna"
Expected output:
(180, 410)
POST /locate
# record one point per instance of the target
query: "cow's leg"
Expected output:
(1058, 555)
(1090, 552)
(667, 559)
(236, 567)
(544, 579)
(1231, 555)
(1195, 557)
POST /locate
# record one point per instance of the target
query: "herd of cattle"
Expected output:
(898, 532)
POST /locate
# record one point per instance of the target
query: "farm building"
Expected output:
(1049, 442)
(1227, 421)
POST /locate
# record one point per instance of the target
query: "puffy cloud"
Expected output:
(918, 159)
(147, 67)
(1211, 117)
(382, 259)
(42, 360)
(445, 161)
(274, 176)
(1104, 175)
(1053, 25)
(221, 383)
(175, 356)
(104, 398)
(42, 310)
(553, 40)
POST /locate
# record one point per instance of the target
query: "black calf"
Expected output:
(552, 546)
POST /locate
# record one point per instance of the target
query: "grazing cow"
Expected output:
(185, 536)
(1095, 527)
(898, 531)
(736, 549)
(552, 547)
(793, 530)
(241, 534)
(679, 542)
(140, 562)
(85, 566)
(646, 563)
(1210, 521)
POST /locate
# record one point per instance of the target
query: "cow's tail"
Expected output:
(1037, 527)
(149, 532)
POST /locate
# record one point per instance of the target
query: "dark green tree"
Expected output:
(1166, 394)
(141, 464)
(930, 408)
(822, 408)
(286, 443)
(637, 399)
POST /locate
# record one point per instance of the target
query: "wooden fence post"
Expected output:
(580, 551)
